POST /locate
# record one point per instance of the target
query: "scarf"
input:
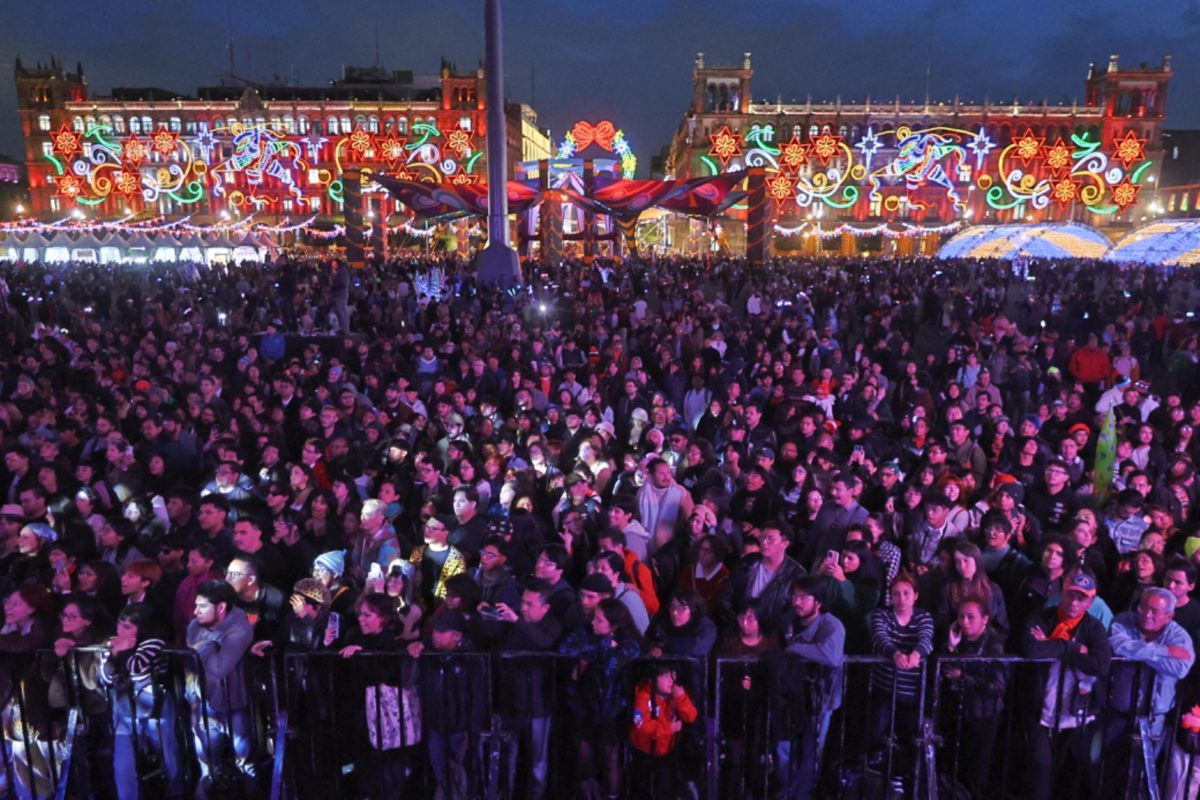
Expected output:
(1065, 629)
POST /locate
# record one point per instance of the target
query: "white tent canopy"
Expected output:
(136, 246)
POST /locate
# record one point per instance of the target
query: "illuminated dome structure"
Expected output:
(1174, 242)
(1048, 240)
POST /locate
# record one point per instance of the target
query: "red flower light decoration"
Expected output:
(1058, 157)
(1125, 193)
(133, 151)
(1029, 147)
(826, 146)
(164, 141)
(459, 141)
(792, 156)
(725, 145)
(69, 187)
(67, 142)
(1129, 150)
(1064, 191)
(781, 188)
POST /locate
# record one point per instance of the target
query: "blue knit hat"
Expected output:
(334, 561)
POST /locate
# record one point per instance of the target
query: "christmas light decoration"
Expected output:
(724, 145)
(792, 156)
(1058, 157)
(781, 188)
(605, 136)
(67, 142)
(1029, 147)
(826, 146)
(1129, 149)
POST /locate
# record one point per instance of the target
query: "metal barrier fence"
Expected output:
(70, 733)
(535, 725)
(965, 727)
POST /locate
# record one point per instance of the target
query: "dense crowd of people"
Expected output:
(926, 461)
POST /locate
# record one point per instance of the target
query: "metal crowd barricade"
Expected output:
(972, 728)
(345, 714)
(62, 724)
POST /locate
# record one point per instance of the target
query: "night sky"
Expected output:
(627, 60)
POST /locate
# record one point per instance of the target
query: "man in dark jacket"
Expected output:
(767, 576)
(530, 704)
(1079, 646)
(454, 687)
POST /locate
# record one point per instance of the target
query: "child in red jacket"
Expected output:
(660, 710)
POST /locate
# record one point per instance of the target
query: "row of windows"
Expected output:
(286, 124)
(1001, 135)
(1180, 202)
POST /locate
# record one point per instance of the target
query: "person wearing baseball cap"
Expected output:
(1077, 645)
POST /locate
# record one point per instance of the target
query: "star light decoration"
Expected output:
(792, 156)
(1058, 157)
(69, 187)
(781, 188)
(391, 149)
(459, 141)
(826, 146)
(1129, 150)
(725, 145)
(133, 151)
(1064, 191)
(313, 144)
(67, 142)
(1125, 193)
(164, 141)
(869, 145)
(980, 145)
(205, 141)
(1029, 147)
(359, 143)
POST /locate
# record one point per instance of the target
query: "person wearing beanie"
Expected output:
(330, 570)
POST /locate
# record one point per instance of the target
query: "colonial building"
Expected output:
(274, 151)
(884, 161)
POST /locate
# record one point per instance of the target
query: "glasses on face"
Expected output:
(678, 609)
(488, 554)
(771, 540)
(234, 574)
(435, 526)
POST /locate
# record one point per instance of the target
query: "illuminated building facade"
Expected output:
(272, 151)
(888, 164)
